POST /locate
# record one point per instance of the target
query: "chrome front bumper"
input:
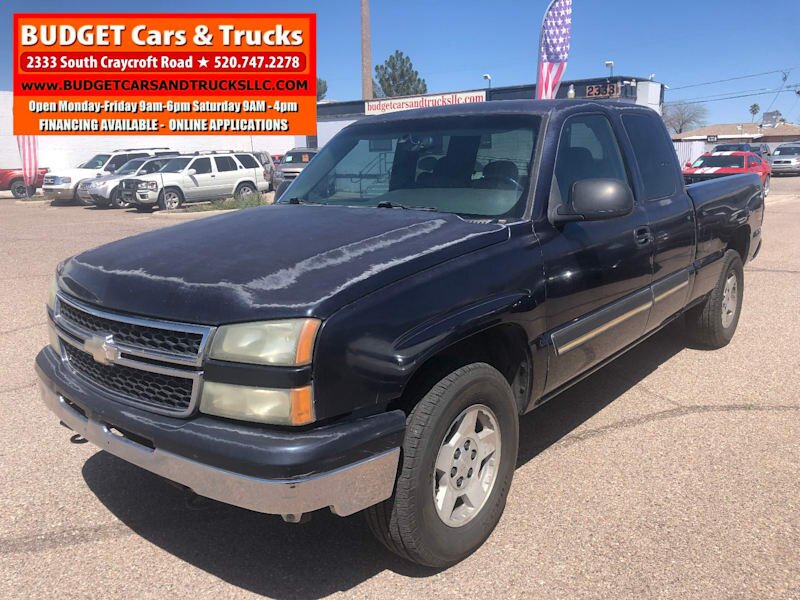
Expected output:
(346, 490)
(53, 193)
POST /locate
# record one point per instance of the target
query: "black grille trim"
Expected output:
(165, 392)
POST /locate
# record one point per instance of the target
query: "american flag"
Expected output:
(553, 48)
(29, 153)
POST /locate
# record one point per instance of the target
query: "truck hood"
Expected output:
(269, 262)
(77, 174)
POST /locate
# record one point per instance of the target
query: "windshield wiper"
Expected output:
(387, 204)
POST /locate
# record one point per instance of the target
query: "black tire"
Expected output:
(31, 191)
(165, 195)
(408, 523)
(17, 187)
(245, 191)
(766, 186)
(117, 201)
(706, 323)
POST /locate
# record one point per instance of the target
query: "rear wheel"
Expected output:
(245, 191)
(713, 323)
(459, 456)
(17, 188)
(170, 199)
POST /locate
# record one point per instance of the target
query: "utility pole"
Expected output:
(366, 53)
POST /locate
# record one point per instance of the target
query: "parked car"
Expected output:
(786, 159)
(372, 347)
(265, 158)
(722, 164)
(62, 184)
(292, 163)
(105, 191)
(195, 177)
(761, 149)
(14, 180)
(276, 159)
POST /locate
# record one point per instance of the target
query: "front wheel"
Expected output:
(713, 323)
(117, 201)
(459, 455)
(170, 199)
(765, 187)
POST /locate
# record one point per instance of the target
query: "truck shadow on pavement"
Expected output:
(262, 554)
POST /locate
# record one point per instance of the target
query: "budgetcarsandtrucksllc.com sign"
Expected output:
(165, 74)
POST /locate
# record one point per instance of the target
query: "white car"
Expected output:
(62, 184)
(104, 191)
(195, 178)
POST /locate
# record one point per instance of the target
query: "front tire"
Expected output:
(170, 199)
(459, 456)
(765, 187)
(713, 323)
(117, 201)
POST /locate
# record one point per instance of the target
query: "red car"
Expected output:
(12, 179)
(720, 164)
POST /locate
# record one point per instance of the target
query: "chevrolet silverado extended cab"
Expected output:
(370, 342)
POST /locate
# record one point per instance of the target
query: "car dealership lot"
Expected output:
(671, 473)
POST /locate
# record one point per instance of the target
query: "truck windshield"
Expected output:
(787, 151)
(96, 162)
(724, 161)
(175, 165)
(297, 157)
(732, 148)
(471, 166)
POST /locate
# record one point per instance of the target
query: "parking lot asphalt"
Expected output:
(672, 473)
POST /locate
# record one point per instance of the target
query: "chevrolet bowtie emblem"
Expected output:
(102, 349)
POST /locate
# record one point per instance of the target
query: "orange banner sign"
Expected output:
(107, 74)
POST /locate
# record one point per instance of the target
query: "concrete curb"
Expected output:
(31, 202)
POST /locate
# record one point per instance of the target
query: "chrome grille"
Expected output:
(149, 363)
(49, 180)
(163, 340)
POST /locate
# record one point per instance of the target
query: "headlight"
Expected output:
(63, 179)
(51, 293)
(262, 405)
(284, 343)
(148, 185)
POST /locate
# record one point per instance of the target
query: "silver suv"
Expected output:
(785, 159)
(294, 161)
(104, 191)
(196, 177)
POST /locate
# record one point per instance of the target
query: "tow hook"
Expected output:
(298, 518)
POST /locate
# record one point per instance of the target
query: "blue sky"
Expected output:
(453, 42)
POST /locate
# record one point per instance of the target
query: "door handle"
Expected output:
(642, 235)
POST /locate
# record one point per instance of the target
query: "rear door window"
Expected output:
(654, 155)
(225, 163)
(248, 161)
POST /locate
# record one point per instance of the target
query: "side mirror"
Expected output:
(191, 172)
(595, 200)
(688, 164)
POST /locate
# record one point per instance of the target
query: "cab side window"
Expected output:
(116, 162)
(587, 149)
(654, 154)
(225, 163)
(754, 161)
(201, 166)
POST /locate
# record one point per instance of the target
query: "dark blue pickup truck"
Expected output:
(370, 341)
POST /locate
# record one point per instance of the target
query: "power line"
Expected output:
(683, 87)
(701, 101)
(783, 83)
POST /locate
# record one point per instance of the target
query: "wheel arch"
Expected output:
(740, 242)
(501, 344)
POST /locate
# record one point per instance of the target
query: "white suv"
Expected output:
(62, 184)
(194, 178)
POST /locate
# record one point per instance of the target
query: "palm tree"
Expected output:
(754, 108)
